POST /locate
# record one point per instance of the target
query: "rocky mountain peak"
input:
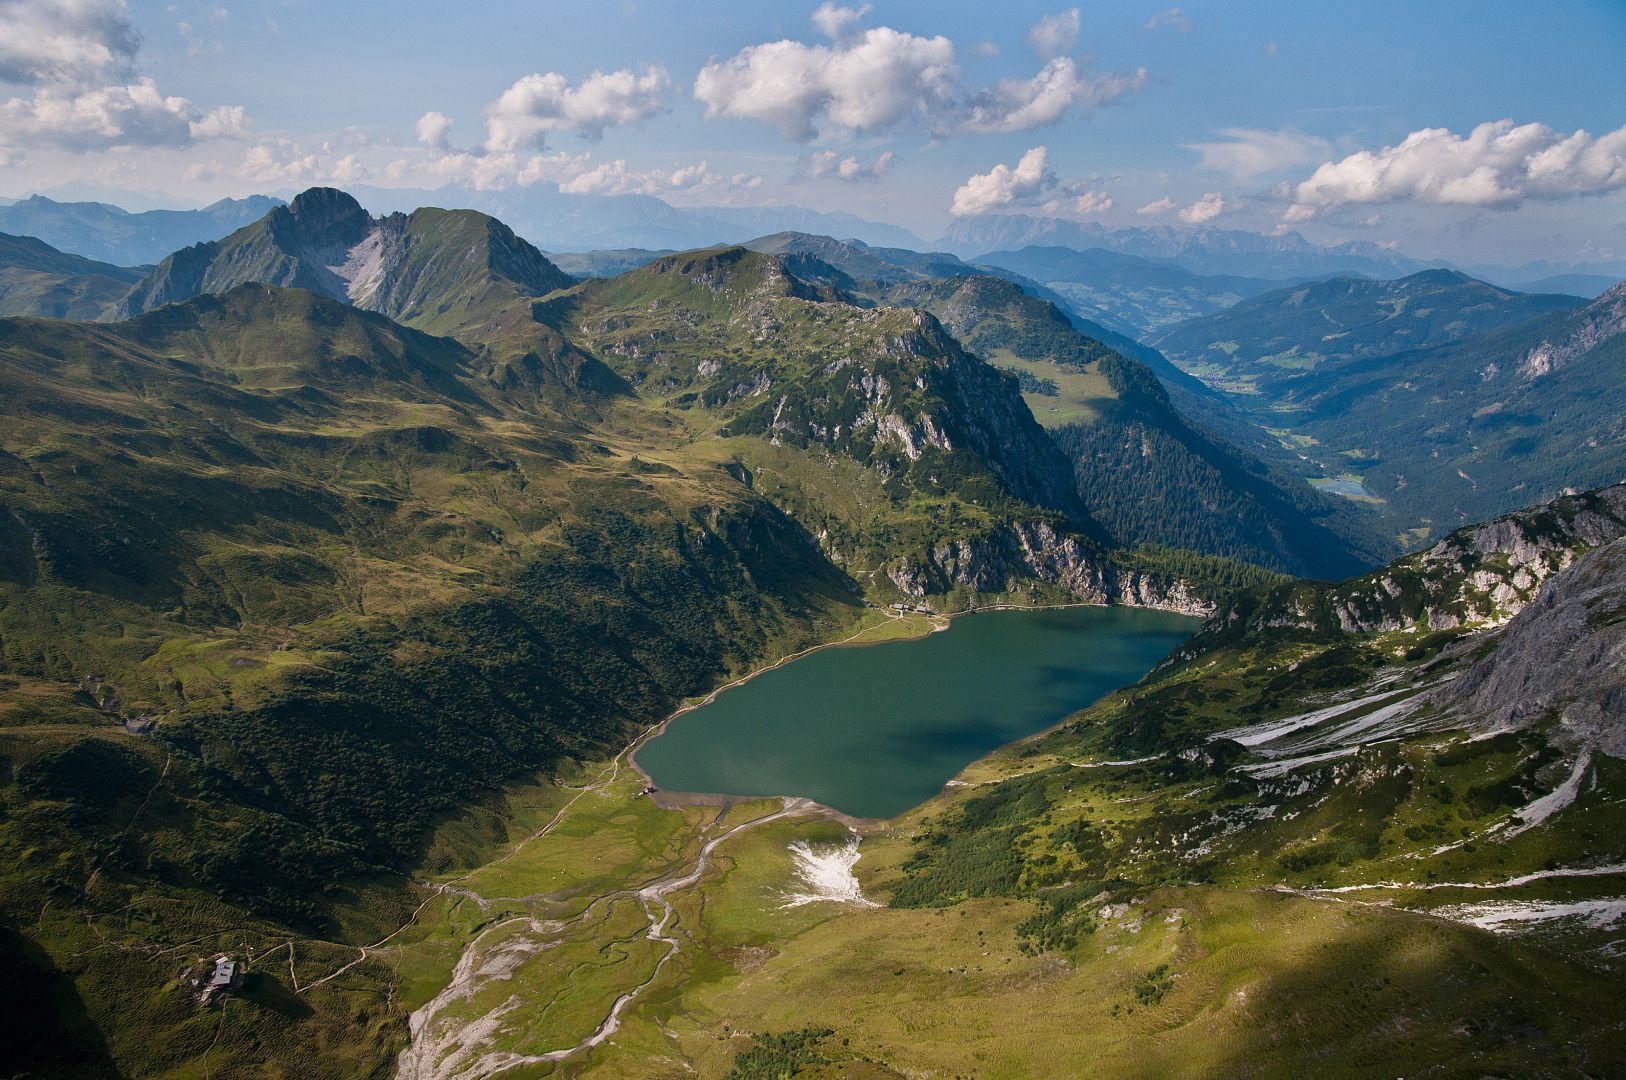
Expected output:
(322, 219)
(441, 270)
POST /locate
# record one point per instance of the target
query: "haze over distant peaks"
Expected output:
(1277, 336)
(110, 234)
(1203, 249)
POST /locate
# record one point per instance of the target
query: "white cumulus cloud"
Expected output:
(1092, 202)
(226, 122)
(77, 57)
(836, 22)
(866, 83)
(1167, 19)
(434, 129)
(830, 165)
(616, 178)
(1003, 186)
(1031, 183)
(487, 172)
(1201, 212)
(350, 170)
(1496, 165)
(1022, 104)
(278, 161)
(1204, 210)
(137, 114)
(537, 104)
(1055, 34)
(66, 41)
(876, 81)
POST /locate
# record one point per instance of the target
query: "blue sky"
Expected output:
(1126, 113)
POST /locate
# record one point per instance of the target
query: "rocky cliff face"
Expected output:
(1598, 322)
(1562, 658)
(1478, 577)
(1001, 560)
(915, 405)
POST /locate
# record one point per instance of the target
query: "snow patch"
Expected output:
(1107, 764)
(1513, 916)
(826, 871)
(1255, 734)
(1511, 883)
(1272, 769)
(1555, 800)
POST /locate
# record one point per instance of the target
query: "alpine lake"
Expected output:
(874, 730)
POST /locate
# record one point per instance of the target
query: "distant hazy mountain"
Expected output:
(1203, 250)
(858, 263)
(1262, 344)
(1588, 286)
(1459, 431)
(1137, 295)
(104, 232)
(1586, 279)
(604, 262)
(37, 279)
(554, 220)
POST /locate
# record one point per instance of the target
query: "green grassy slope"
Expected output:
(854, 264)
(360, 577)
(37, 279)
(356, 586)
(736, 340)
(357, 576)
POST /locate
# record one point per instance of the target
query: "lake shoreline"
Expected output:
(675, 799)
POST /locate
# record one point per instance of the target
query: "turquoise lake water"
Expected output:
(874, 730)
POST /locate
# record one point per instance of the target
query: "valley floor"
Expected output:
(621, 939)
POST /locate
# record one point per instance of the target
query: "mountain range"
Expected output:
(565, 222)
(1200, 249)
(348, 559)
(1437, 398)
(324, 241)
(431, 268)
(1108, 403)
(109, 234)
(1259, 345)
(1134, 295)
